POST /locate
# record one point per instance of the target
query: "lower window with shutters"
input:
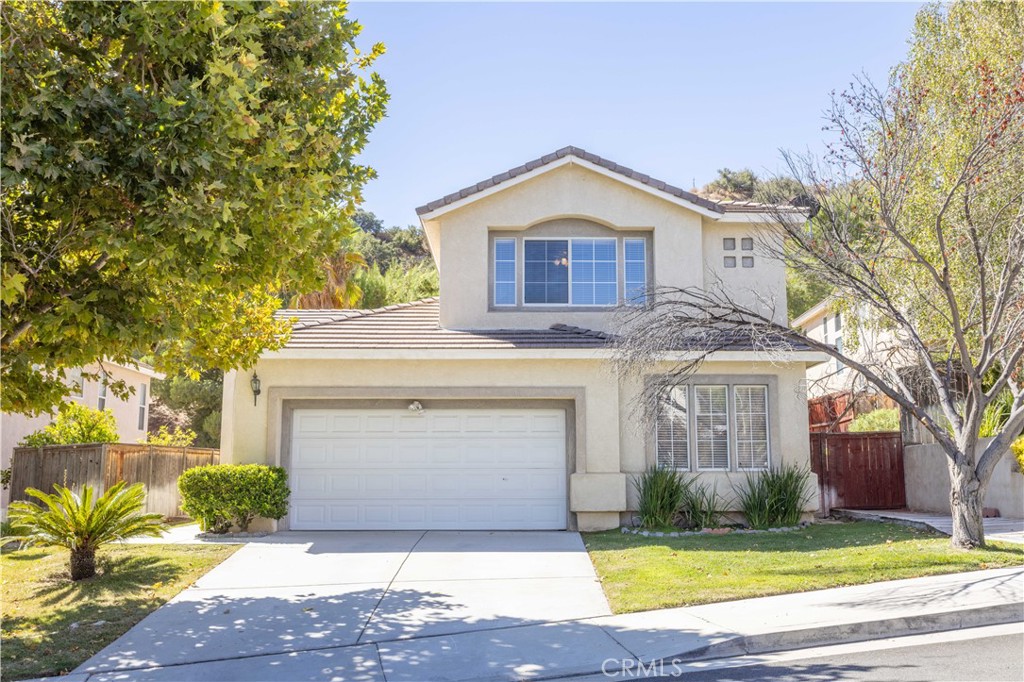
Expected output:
(711, 413)
(724, 425)
(751, 405)
(673, 430)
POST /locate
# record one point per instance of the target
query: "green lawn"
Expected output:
(640, 573)
(40, 604)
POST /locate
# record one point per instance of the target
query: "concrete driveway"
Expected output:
(355, 602)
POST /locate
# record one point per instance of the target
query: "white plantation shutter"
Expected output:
(674, 430)
(751, 426)
(712, 418)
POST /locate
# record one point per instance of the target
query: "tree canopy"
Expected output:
(166, 168)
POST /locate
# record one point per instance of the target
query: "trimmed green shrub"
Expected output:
(76, 424)
(661, 493)
(702, 506)
(883, 419)
(221, 495)
(775, 497)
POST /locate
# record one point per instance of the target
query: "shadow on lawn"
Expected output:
(114, 575)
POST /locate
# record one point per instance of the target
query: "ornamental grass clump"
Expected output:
(82, 523)
(702, 506)
(774, 498)
(661, 493)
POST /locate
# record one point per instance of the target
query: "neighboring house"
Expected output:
(822, 323)
(132, 414)
(496, 405)
(836, 393)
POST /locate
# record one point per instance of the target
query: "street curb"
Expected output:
(846, 633)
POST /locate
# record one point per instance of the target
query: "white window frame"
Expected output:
(732, 440)
(569, 303)
(515, 276)
(767, 426)
(729, 429)
(143, 405)
(687, 393)
(101, 399)
(626, 300)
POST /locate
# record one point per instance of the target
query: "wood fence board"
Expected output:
(858, 470)
(101, 465)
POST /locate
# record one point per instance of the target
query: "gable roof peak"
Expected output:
(711, 208)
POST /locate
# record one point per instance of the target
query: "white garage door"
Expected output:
(443, 469)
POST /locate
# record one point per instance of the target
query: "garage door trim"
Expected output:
(289, 406)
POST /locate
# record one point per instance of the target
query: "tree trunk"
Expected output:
(966, 498)
(83, 563)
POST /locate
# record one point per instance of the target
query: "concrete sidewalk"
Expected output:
(589, 646)
(1000, 529)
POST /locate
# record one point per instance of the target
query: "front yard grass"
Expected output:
(640, 573)
(51, 625)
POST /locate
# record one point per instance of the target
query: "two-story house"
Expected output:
(497, 405)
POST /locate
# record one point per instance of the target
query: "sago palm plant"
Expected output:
(83, 523)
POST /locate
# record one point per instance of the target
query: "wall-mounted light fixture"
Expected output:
(254, 383)
(416, 407)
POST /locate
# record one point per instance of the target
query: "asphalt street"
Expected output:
(984, 659)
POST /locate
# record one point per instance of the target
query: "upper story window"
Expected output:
(593, 270)
(570, 272)
(101, 401)
(504, 272)
(636, 271)
(143, 406)
(547, 271)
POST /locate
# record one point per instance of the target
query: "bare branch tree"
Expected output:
(925, 256)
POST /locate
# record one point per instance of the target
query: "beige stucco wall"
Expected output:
(607, 449)
(460, 241)
(762, 287)
(15, 427)
(926, 475)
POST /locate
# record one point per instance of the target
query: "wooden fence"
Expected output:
(859, 470)
(103, 464)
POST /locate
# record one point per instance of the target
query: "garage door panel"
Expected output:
(469, 469)
(311, 424)
(547, 424)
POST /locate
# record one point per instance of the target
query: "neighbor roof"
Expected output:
(417, 326)
(720, 207)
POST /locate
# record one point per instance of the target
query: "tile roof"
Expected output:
(417, 326)
(709, 204)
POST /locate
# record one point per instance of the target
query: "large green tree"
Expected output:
(166, 166)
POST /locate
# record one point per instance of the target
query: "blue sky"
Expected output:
(672, 90)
